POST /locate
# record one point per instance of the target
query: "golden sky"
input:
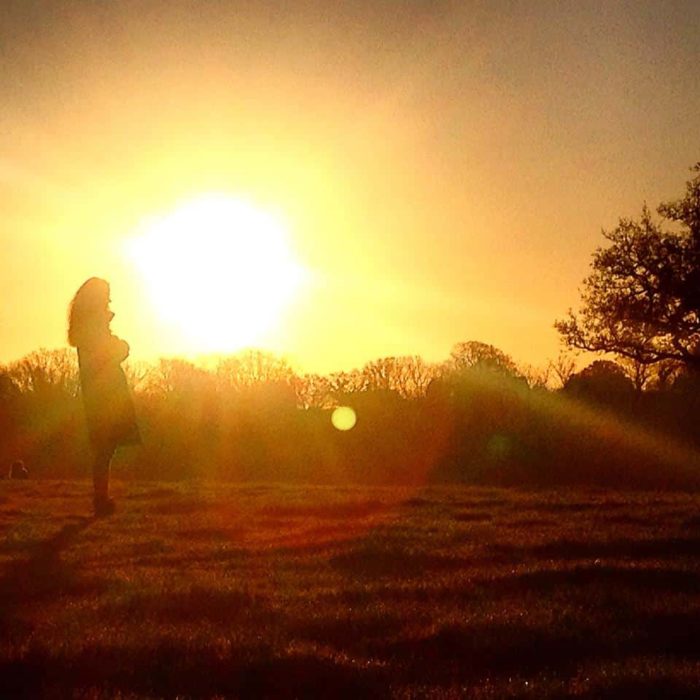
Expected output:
(443, 169)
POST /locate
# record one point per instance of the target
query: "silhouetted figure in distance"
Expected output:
(109, 409)
(18, 470)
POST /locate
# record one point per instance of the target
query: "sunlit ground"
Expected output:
(290, 591)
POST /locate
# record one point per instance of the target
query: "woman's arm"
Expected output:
(119, 348)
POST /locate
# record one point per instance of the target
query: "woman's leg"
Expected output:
(100, 480)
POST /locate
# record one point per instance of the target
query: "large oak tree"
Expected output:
(642, 299)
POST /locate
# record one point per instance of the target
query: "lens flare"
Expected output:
(343, 418)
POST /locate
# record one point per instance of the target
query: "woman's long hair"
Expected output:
(86, 310)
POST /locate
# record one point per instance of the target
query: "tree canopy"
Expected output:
(476, 355)
(642, 299)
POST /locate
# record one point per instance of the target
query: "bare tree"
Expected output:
(313, 391)
(536, 377)
(254, 367)
(563, 368)
(345, 383)
(407, 375)
(473, 354)
(46, 372)
(174, 376)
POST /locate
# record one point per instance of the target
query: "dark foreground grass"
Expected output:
(202, 590)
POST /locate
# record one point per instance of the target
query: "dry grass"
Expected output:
(203, 590)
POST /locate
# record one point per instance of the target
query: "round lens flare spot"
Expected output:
(343, 418)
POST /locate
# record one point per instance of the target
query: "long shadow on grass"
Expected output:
(44, 574)
(40, 576)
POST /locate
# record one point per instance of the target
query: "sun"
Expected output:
(219, 269)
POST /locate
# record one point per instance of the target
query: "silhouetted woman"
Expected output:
(109, 410)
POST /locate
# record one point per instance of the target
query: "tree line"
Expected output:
(477, 418)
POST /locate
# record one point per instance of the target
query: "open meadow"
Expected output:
(267, 590)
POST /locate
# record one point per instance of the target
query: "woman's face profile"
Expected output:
(104, 311)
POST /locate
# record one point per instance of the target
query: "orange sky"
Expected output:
(444, 168)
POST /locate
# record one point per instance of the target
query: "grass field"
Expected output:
(202, 590)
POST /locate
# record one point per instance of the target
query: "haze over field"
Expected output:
(437, 170)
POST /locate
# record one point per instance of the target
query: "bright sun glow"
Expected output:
(218, 268)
